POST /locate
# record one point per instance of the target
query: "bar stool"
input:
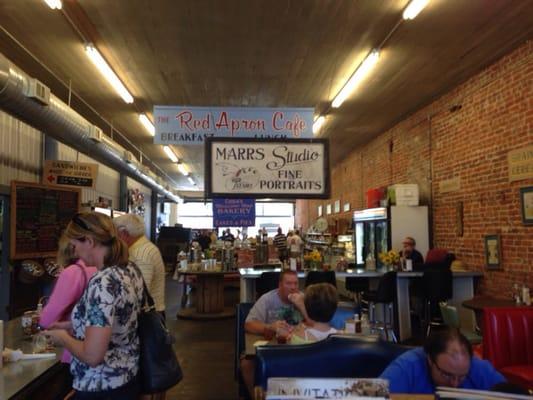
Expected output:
(320, 277)
(438, 287)
(266, 282)
(384, 295)
(357, 285)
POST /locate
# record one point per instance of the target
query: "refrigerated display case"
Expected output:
(378, 230)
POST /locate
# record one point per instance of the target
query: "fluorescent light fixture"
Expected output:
(318, 124)
(170, 154)
(108, 73)
(191, 180)
(182, 169)
(414, 8)
(54, 4)
(148, 125)
(356, 78)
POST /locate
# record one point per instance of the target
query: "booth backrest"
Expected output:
(241, 312)
(508, 336)
(338, 356)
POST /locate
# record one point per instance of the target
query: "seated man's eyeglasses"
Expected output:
(449, 376)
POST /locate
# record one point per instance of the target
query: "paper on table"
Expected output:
(261, 343)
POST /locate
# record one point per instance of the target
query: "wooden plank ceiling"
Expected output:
(268, 53)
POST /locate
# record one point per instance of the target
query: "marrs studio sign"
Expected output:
(192, 125)
(261, 168)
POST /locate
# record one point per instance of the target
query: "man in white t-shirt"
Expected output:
(278, 310)
(145, 254)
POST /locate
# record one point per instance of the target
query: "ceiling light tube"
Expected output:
(318, 124)
(356, 78)
(54, 4)
(191, 180)
(182, 169)
(414, 8)
(170, 154)
(147, 124)
(108, 73)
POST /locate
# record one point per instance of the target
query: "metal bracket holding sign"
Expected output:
(267, 168)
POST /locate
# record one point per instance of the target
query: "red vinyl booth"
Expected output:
(508, 342)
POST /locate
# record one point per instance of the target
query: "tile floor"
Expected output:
(205, 351)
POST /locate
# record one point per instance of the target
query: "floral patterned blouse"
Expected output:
(112, 298)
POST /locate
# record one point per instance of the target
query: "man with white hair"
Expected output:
(145, 254)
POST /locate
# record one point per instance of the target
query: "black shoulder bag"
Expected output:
(159, 366)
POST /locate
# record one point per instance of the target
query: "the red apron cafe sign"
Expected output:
(192, 125)
(261, 168)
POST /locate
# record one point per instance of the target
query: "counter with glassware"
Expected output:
(33, 376)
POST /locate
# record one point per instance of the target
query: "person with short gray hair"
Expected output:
(145, 254)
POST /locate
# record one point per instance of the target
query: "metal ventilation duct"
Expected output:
(62, 123)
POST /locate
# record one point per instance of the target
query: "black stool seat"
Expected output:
(266, 282)
(320, 277)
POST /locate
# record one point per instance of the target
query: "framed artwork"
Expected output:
(346, 207)
(319, 210)
(337, 206)
(493, 253)
(328, 209)
(526, 204)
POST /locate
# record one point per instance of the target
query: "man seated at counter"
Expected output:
(274, 310)
(410, 253)
(445, 360)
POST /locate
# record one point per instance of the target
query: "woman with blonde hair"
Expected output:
(104, 341)
(70, 285)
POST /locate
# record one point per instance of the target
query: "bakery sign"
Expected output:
(267, 168)
(70, 173)
(185, 125)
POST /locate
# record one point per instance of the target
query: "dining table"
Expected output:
(479, 303)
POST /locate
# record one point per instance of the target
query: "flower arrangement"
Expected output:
(313, 259)
(389, 258)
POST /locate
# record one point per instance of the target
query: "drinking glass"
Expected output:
(282, 335)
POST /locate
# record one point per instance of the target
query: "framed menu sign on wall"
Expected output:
(267, 168)
(39, 214)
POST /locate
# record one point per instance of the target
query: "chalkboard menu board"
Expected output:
(39, 214)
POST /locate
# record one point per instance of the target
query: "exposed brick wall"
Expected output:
(435, 144)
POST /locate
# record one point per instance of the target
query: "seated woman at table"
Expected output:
(320, 302)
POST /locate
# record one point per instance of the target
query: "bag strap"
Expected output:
(147, 300)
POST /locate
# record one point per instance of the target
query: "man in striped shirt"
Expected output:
(280, 241)
(145, 254)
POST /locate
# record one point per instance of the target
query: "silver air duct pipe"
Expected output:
(31, 102)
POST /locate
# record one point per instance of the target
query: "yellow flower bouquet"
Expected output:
(313, 259)
(389, 258)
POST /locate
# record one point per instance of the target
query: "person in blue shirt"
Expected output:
(445, 360)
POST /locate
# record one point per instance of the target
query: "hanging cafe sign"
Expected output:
(261, 168)
(192, 125)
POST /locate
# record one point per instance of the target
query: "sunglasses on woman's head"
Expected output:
(80, 222)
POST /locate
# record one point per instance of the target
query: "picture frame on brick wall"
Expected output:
(493, 251)
(328, 209)
(319, 210)
(526, 205)
(337, 206)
